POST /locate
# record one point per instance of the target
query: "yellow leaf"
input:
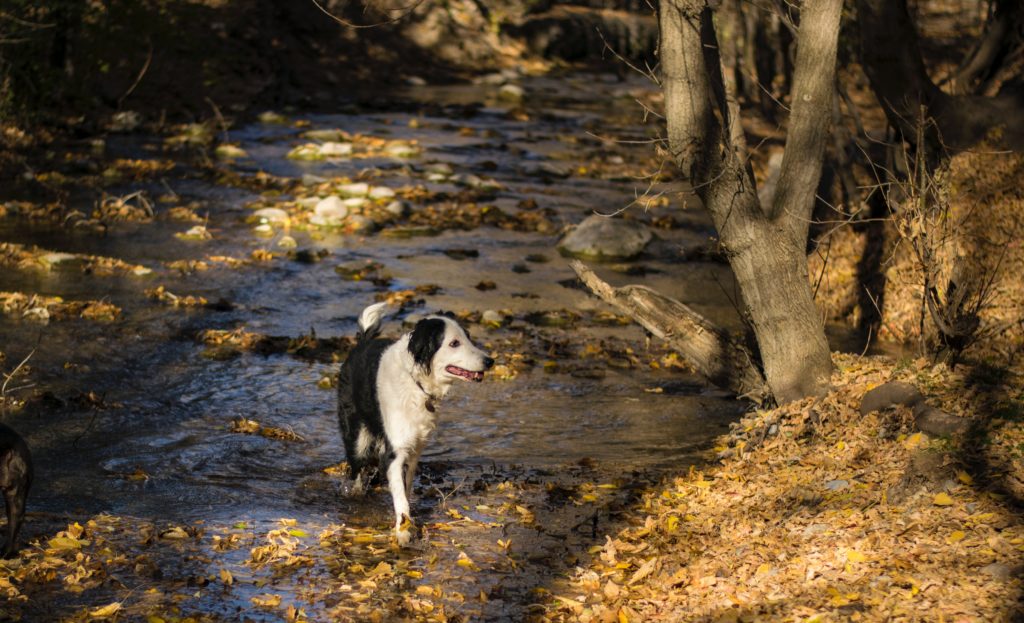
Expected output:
(65, 542)
(105, 611)
(589, 497)
(964, 477)
(414, 574)
(855, 556)
(763, 568)
(956, 536)
(841, 445)
(914, 441)
(942, 499)
(226, 577)
(266, 600)
(298, 532)
(622, 617)
(672, 523)
(465, 561)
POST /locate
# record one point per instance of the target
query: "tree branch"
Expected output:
(723, 360)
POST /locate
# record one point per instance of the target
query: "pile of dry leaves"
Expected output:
(819, 513)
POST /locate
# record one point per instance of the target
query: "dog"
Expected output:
(15, 480)
(388, 392)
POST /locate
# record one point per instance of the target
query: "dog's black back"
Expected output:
(15, 481)
(359, 407)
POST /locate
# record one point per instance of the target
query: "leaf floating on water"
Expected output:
(106, 611)
(226, 577)
(177, 532)
(266, 600)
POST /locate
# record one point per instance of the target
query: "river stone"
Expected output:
(381, 192)
(492, 318)
(604, 238)
(402, 150)
(329, 212)
(890, 395)
(272, 215)
(397, 208)
(308, 179)
(512, 92)
(937, 422)
(358, 189)
(359, 224)
(332, 149)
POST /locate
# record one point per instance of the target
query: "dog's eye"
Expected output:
(454, 344)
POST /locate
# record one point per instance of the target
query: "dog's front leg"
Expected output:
(396, 482)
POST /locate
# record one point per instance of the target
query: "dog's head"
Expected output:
(441, 348)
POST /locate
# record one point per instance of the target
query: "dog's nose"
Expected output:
(488, 362)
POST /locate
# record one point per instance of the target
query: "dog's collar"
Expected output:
(430, 398)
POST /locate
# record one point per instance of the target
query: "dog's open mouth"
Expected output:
(469, 375)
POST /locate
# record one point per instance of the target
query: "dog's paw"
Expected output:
(404, 537)
(404, 531)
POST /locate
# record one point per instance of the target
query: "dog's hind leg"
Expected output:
(396, 483)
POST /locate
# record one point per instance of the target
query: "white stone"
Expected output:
(332, 149)
(381, 192)
(330, 211)
(359, 189)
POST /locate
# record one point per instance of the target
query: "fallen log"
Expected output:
(725, 361)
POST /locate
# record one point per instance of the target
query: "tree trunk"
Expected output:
(892, 60)
(725, 361)
(1000, 47)
(765, 246)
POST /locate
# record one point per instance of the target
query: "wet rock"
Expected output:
(230, 152)
(603, 238)
(332, 149)
(512, 92)
(402, 150)
(359, 224)
(937, 422)
(308, 179)
(272, 215)
(354, 203)
(494, 79)
(440, 168)
(545, 169)
(125, 121)
(381, 192)
(198, 232)
(492, 318)
(269, 116)
(287, 242)
(889, 395)
(358, 189)
(329, 212)
(398, 208)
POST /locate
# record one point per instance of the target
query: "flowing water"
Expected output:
(130, 418)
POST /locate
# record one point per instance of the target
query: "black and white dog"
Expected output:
(387, 399)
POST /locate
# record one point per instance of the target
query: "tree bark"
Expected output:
(765, 245)
(724, 360)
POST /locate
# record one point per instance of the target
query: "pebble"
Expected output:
(287, 242)
(511, 92)
(359, 224)
(381, 192)
(358, 189)
(308, 179)
(332, 149)
(397, 208)
(272, 215)
(329, 211)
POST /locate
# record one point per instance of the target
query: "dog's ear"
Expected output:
(426, 340)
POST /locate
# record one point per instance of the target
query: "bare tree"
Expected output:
(765, 244)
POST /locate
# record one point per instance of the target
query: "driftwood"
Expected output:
(725, 361)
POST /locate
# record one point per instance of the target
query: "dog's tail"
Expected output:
(369, 321)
